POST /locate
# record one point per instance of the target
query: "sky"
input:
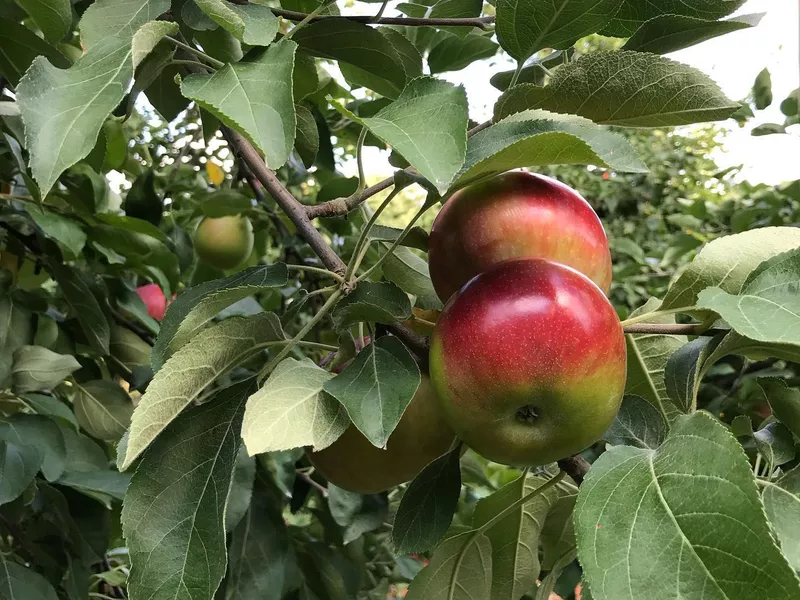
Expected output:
(732, 60)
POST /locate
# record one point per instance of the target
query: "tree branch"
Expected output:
(480, 22)
(670, 329)
(576, 467)
(342, 206)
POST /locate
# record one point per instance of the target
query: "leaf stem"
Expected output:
(363, 239)
(217, 64)
(317, 270)
(380, 11)
(308, 18)
(655, 314)
(362, 178)
(192, 63)
(517, 72)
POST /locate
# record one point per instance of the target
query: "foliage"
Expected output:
(149, 459)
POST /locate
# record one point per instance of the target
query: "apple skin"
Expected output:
(421, 436)
(529, 334)
(154, 299)
(224, 242)
(515, 215)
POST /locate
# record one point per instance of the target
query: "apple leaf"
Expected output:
(682, 373)
(50, 406)
(410, 272)
(103, 484)
(557, 537)
(784, 402)
(192, 368)
(727, 262)
(767, 307)
(253, 24)
(453, 53)
(291, 410)
(526, 26)
(690, 508)
(41, 433)
(255, 98)
(775, 443)
(392, 86)
(782, 504)
(537, 137)
(84, 306)
(376, 388)
(52, 17)
(19, 46)
(241, 492)
(19, 464)
(18, 582)
(633, 13)
(173, 516)
(379, 302)
(69, 236)
(35, 368)
(638, 423)
(668, 33)
(428, 505)
(103, 409)
(147, 38)
(357, 514)
(195, 307)
(634, 89)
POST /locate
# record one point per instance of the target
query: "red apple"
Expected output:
(154, 300)
(528, 361)
(515, 215)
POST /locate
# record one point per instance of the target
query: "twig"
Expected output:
(480, 22)
(575, 466)
(217, 64)
(320, 488)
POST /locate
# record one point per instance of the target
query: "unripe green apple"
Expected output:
(224, 242)
(515, 215)
(528, 361)
(422, 435)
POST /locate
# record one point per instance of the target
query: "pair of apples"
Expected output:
(528, 359)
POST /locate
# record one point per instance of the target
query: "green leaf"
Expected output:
(147, 38)
(357, 514)
(461, 568)
(775, 443)
(253, 24)
(255, 98)
(638, 423)
(632, 13)
(142, 201)
(406, 53)
(84, 307)
(192, 368)
(225, 202)
(83, 454)
(307, 139)
(453, 53)
(65, 232)
(102, 484)
(173, 516)
(767, 129)
(557, 537)
(36, 368)
(762, 90)
(20, 583)
(410, 273)
(515, 538)
(784, 402)
(727, 262)
(49, 406)
(19, 46)
(526, 26)
(18, 467)
(41, 433)
(377, 387)
(52, 17)
(193, 309)
(766, 309)
(782, 504)
(668, 33)
(291, 410)
(682, 373)
(380, 302)
(635, 89)
(427, 125)
(241, 492)
(103, 409)
(537, 137)
(358, 44)
(651, 523)
(428, 505)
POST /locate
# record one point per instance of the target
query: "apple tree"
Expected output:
(227, 371)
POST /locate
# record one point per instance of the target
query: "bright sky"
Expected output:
(733, 61)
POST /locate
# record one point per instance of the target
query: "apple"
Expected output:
(515, 215)
(154, 300)
(354, 464)
(224, 242)
(528, 361)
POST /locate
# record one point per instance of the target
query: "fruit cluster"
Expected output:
(528, 358)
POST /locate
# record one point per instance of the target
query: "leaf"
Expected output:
(782, 505)
(192, 368)
(379, 302)
(194, 308)
(558, 534)
(682, 373)
(66, 232)
(307, 139)
(668, 33)
(241, 490)
(255, 98)
(767, 129)
(638, 423)
(84, 306)
(19, 46)
(357, 514)
(515, 538)
(49, 406)
(20, 583)
(538, 137)
(410, 273)
(173, 516)
(635, 89)
(454, 54)
(41, 433)
(762, 90)
(147, 38)
(767, 308)
(633, 13)
(727, 262)
(103, 484)
(526, 26)
(103, 409)
(460, 569)
(376, 388)
(774, 442)
(684, 519)
(83, 454)
(784, 402)
(52, 17)
(36, 368)
(427, 125)
(406, 53)
(142, 201)
(428, 505)
(291, 410)
(18, 467)
(252, 24)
